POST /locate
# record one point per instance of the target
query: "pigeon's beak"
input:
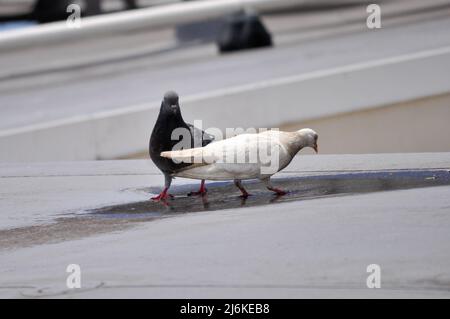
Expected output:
(316, 148)
(174, 108)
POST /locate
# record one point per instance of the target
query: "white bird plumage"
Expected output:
(245, 156)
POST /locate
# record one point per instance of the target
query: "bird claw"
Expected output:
(279, 192)
(162, 196)
(201, 192)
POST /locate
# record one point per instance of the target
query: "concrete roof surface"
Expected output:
(317, 247)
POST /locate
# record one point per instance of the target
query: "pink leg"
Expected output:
(165, 192)
(241, 188)
(277, 190)
(202, 191)
(163, 196)
(269, 186)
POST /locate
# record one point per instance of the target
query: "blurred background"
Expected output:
(41, 11)
(93, 93)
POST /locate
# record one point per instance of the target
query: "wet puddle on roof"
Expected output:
(224, 195)
(221, 195)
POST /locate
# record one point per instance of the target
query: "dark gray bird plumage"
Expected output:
(169, 119)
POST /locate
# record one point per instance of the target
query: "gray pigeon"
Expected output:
(169, 119)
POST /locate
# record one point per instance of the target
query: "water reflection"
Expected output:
(224, 195)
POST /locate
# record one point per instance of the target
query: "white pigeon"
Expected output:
(245, 156)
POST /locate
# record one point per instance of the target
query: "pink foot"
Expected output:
(163, 196)
(244, 195)
(278, 192)
(202, 191)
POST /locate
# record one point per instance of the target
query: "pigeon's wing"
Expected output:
(244, 156)
(239, 157)
(199, 135)
(236, 150)
(199, 155)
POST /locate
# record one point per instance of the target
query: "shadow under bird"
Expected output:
(245, 156)
(170, 119)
